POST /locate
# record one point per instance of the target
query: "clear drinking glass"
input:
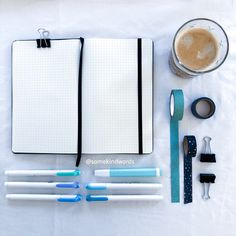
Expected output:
(179, 68)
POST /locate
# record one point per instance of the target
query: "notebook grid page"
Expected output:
(45, 86)
(110, 104)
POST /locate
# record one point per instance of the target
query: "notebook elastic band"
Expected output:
(79, 144)
(140, 112)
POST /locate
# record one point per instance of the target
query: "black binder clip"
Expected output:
(207, 156)
(43, 41)
(206, 180)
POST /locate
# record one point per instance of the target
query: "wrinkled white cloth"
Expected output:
(158, 20)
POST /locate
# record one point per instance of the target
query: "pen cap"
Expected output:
(94, 198)
(68, 173)
(77, 198)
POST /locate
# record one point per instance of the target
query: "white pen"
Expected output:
(42, 184)
(123, 186)
(42, 172)
(101, 198)
(45, 197)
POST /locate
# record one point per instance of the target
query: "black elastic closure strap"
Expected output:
(140, 110)
(79, 143)
(208, 102)
(190, 150)
(43, 43)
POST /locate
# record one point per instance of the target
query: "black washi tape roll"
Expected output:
(203, 108)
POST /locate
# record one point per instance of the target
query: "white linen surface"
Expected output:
(157, 20)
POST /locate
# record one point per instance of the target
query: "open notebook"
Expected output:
(116, 88)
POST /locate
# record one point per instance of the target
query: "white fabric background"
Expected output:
(120, 19)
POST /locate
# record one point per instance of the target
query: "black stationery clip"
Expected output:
(207, 156)
(43, 41)
(206, 180)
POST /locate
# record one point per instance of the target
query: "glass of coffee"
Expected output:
(199, 46)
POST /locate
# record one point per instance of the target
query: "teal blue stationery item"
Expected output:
(176, 114)
(68, 173)
(42, 184)
(130, 197)
(129, 172)
(123, 186)
(42, 172)
(45, 197)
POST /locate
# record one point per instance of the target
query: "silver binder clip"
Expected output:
(43, 41)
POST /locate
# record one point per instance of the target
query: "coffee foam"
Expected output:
(196, 48)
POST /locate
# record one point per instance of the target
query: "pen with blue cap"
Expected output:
(123, 186)
(42, 184)
(106, 198)
(42, 172)
(128, 172)
(45, 197)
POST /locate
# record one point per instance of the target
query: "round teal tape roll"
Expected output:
(176, 114)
